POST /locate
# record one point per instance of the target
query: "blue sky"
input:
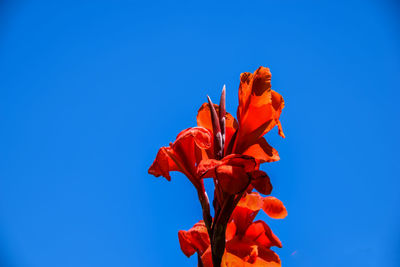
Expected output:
(89, 90)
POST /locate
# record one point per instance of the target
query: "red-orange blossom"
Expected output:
(230, 152)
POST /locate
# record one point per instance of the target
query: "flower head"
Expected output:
(230, 152)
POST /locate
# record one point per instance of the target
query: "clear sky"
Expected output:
(89, 90)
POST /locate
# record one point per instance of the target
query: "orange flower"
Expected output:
(248, 243)
(230, 151)
(183, 155)
(258, 112)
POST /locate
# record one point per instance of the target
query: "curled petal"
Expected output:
(201, 136)
(194, 240)
(183, 155)
(163, 164)
(185, 242)
(261, 182)
(260, 233)
(274, 208)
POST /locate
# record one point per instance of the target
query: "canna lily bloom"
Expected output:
(230, 151)
(258, 112)
(239, 147)
(248, 243)
(183, 155)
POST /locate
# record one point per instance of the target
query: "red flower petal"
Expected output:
(230, 231)
(261, 182)
(231, 172)
(278, 104)
(243, 217)
(246, 162)
(259, 108)
(260, 233)
(274, 208)
(252, 201)
(267, 258)
(206, 168)
(206, 258)
(246, 211)
(232, 179)
(204, 120)
(163, 164)
(262, 151)
(246, 251)
(194, 240)
(183, 154)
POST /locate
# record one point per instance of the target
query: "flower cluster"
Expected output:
(230, 152)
